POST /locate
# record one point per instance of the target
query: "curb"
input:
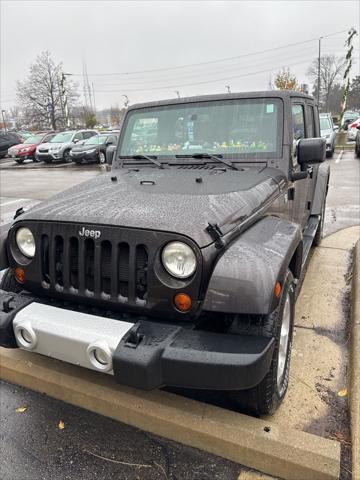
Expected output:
(276, 450)
(354, 383)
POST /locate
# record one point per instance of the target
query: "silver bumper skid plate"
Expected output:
(74, 337)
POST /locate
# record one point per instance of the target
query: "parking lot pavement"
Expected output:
(312, 403)
(342, 203)
(91, 446)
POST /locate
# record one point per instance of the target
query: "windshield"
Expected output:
(62, 137)
(34, 139)
(234, 128)
(325, 123)
(95, 140)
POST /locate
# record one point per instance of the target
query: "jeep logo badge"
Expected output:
(84, 232)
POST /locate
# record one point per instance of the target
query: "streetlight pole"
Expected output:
(318, 82)
(3, 119)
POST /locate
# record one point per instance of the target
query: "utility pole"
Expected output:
(93, 94)
(228, 88)
(177, 93)
(3, 119)
(318, 82)
(64, 99)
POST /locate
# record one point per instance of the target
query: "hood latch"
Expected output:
(216, 234)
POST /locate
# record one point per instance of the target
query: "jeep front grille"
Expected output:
(101, 269)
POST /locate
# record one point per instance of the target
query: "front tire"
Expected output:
(66, 156)
(19, 161)
(266, 397)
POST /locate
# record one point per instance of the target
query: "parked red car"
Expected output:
(25, 150)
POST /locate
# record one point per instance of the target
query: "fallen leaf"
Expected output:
(342, 393)
(21, 409)
(61, 425)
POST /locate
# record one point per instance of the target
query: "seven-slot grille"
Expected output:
(105, 269)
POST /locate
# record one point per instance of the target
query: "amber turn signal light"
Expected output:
(20, 275)
(183, 302)
(277, 289)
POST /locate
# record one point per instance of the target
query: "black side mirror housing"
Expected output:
(358, 127)
(311, 150)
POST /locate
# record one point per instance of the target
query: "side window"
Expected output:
(47, 138)
(78, 136)
(311, 130)
(87, 135)
(298, 121)
(113, 140)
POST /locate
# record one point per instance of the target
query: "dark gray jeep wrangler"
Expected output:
(182, 265)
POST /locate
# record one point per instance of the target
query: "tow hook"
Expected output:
(134, 337)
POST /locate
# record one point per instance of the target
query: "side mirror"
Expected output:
(311, 150)
(358, 127)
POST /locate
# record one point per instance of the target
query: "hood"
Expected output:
(50, 145)
(20, 146)
(182, 200)
(326, 132)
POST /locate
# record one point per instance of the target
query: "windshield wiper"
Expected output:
(218, 158)
(151, 159)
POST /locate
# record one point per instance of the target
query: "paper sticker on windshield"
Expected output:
(270, 108)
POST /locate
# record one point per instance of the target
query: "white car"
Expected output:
(352, 130)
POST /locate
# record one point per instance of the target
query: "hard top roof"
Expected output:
(224, 96)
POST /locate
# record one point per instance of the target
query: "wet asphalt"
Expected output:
(32, 447)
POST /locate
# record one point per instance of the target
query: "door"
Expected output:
(300, 189)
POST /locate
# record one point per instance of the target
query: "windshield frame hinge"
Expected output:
(216, 234)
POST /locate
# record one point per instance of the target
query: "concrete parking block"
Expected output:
(259, 444)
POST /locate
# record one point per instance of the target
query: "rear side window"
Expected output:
(298, 121)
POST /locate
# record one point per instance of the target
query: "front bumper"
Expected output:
(84, 157)
(48, 156)
(145, 354)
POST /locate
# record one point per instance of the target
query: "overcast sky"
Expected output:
(113, 37)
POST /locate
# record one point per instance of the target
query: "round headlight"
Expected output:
(179, 259)
(25, 241)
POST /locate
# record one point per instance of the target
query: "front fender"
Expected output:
(244, 277)
(4, 261)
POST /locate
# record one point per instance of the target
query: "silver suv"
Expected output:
(59, 147)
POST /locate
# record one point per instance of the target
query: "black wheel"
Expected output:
(266, 397)
(48, 160)
(66, 156)
(102, 158)
(357, 152)
(19, 161)
(9, 283)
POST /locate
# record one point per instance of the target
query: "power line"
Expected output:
(226, 69)
(199, 83)
(177, 67)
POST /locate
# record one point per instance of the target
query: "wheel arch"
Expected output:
(321, 188)
(244, 277)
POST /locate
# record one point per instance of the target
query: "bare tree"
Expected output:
(41, 92)
(331, 69)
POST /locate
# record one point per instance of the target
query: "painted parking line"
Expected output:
(339, 156)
